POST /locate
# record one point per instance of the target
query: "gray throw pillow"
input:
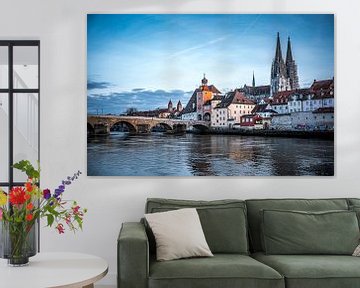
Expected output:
(299, 232)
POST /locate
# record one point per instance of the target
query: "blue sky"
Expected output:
(139, 60)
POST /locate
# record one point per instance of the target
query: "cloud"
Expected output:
(142, 100)
(196, 47)
(138, 89)
(91, 85)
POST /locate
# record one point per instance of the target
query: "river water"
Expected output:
(158, 154)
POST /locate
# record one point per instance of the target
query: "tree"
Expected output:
(130, 111)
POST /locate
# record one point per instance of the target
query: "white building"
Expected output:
(320, 119)
(228, 112)
(319, 95)
(264, 110)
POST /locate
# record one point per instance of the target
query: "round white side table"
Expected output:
(50, 270)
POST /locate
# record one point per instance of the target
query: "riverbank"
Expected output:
(328, 135)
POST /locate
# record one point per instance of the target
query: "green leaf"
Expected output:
(26, 167)
(50, 219)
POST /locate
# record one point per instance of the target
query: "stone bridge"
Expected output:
(101, 124)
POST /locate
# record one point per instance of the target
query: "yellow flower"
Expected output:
(3, 198)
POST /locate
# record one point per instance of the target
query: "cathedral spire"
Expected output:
(279, 75)
(278, 54)
(291, 67)
(170, 106)
(289, 56)
(253, 81)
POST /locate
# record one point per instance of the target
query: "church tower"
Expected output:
(279, 77)
(253, 81)
(179, 106)
(291, 68)
(170, 106)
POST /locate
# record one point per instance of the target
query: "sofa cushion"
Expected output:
(255, 206)
(297, 232)
(223, 221)
(356, 209)
(353, 201)
(222, 270)
(178, 234)
(313, 271)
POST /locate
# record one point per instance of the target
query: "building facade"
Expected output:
(199, 106)
(229, 111)
(320, 119)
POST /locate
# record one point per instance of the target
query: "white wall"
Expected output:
(61, 27)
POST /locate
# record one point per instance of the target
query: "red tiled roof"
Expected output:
(241, 99)
(323, 89)
(252, 116)
(284, 96)
(234, 97)
(322, 84)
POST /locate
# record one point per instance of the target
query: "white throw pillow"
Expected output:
(178, 234)
(357, 251)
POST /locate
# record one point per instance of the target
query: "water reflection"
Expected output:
(206, 155)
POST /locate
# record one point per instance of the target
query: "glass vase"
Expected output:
(18, 242)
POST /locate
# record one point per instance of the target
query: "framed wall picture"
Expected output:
(210, 94)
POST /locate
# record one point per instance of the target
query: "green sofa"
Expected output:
(234, 232)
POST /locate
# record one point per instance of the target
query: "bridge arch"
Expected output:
(200, 127)
(130, 126)
(162, 125)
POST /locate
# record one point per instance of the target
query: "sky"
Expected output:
(143, 61)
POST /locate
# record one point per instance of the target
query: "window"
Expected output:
(19, 108)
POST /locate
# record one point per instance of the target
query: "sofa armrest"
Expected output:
(133, 256)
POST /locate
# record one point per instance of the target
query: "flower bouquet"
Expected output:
(21, 208)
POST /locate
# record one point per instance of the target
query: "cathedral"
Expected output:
(284, 74)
